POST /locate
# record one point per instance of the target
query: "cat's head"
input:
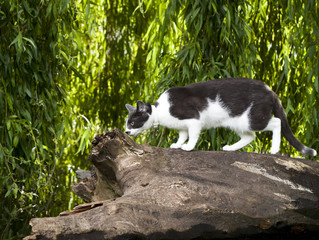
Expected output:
(139, 118)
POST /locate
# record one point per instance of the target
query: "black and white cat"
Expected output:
(243, 105)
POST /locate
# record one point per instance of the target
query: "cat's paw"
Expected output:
(175, 145)
(227, 148)
(274, 150)
(186, 147)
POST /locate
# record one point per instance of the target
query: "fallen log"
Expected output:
(143, 192)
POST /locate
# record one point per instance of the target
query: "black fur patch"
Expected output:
(186, 102)
(137, 119)
(236, 94)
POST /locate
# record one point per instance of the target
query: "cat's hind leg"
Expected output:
(274, 125)
(183, 135)
(245, 138)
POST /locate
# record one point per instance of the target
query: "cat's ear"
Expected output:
(144, 107)
(130, 108)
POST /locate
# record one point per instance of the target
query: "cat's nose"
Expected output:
(128, 132)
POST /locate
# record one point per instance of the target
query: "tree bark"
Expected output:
(143, 192)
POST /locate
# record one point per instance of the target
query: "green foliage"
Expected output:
(212, 41)
(67, 68)
(34, 47)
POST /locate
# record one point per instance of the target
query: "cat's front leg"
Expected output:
(183, 135)
(193, 133)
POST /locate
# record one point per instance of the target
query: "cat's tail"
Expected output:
(279, 112)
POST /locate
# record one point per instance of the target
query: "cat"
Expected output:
(243, 105)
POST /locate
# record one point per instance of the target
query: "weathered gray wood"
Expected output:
(154, 193)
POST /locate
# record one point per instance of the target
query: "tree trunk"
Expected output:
(144, 192)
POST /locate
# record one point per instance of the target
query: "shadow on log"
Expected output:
(143, 192)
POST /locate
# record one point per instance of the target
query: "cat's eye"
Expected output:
(132, 124)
